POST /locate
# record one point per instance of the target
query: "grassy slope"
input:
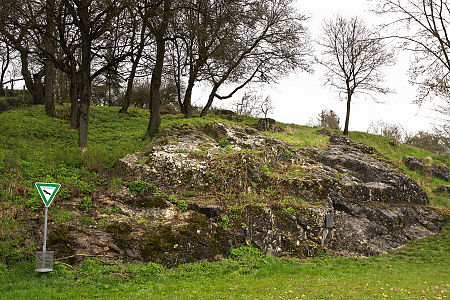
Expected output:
(34, 147)
(419, 270)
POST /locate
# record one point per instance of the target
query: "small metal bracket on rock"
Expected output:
(329, 221)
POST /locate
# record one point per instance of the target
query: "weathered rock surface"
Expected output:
(243, 187)
(439, 171)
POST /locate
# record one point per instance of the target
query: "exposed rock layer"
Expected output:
(243, 187)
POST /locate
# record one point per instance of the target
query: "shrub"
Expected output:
(224, 221)
(246, 252)
(395, 131)
(288, 211)
(86, 220)
(328, 118)
(12, 234)
(140, 187)
(224, 142)
(173, 199)
(433, 142)
(97, 158)
(60, 215)
(86, 204)
(182, 205)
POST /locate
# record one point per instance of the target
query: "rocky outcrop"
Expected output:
(438, 171)
(230, 185)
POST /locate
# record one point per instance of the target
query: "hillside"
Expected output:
(34, 147)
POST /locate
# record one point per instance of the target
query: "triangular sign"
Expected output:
(47, 191)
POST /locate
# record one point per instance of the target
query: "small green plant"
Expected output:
(33, 201)
(173, 199)
(140, 187)
(287, 153)
(116, 183)
(199, 153)
(287, 200)
(246, 252)
(64, 194)
(103, 223)
(288, 211)
(189, 194)
(114, 211)
(224, 142)
(224, 221)
(265, 169)
(60, 215)
(141, 220)
(182, 205)
(12, 234)
(97, 158)
(86, 220)
(86, 203)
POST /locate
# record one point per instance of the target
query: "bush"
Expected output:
(86, 204)
(328, 118)
(140, 187)
(246, 252)
(182, 205)
(288, 211)
(97, 158)
(12, 235)
(8, 103)
(224, 142)
(395, 131)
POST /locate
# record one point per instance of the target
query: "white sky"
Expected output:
(301, 96)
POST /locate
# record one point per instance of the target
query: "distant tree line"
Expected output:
(144, 52)
(88, 49)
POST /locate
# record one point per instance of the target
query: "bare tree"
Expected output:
(353, 56)
(267, 41)
(15, 26)
(380, 127)
(422, 25)
(5, 59)
(139, 40)
(247, 105)
(266, 106)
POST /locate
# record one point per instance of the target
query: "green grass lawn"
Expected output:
(418, 270)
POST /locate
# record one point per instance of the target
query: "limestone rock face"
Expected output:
(231, 185)
(439, 171)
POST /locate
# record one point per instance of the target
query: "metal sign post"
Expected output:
(44, 248)
(44, 258)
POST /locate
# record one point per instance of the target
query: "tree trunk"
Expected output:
(49, 81)
(32, 82)
(155, 85)
(85, 82)
(85, 75)
(127, 98)
(210, 101)
(347, 116)
(74, 103)
(186, 109)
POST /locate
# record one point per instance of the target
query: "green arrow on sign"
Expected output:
(47, 191)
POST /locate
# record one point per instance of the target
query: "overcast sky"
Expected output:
(301, 96)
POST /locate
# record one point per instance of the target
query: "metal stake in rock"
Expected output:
(44, 258)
